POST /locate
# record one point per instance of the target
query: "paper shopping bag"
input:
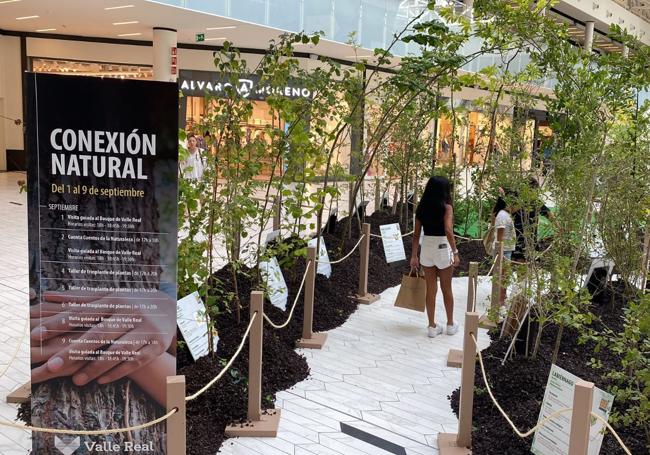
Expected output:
(412, 293)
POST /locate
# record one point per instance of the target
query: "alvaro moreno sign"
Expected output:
(197, 83)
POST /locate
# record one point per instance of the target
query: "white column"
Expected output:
(164, 43)
(626, 51)
(589, 36)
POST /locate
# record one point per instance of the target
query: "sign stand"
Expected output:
(455, 356)
(461, 443)
(310, 340)
(363, 296)
(21, 394)
(176, 424)
(260, 426)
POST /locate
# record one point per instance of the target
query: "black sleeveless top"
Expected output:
(433, 220)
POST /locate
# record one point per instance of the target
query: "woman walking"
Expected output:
(435, 216)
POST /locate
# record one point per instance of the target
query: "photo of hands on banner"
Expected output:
(118, 350)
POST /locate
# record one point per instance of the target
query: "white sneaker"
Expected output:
(452, 329)
(434, 331)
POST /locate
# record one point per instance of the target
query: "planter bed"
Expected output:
(519, 385)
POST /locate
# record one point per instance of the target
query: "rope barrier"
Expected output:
(544, 421)
(20, 343)
(540, 424)
(227, 366)
(293, 307)
(494, 263)
(347, 255)
(616, 436)
(90, 432)
(379, 236)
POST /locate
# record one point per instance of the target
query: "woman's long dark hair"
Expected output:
(499, 205)
(436, 195)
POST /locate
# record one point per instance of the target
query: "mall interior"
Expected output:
(361, 378)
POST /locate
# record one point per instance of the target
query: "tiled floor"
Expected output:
(13, 307)
(378, 373)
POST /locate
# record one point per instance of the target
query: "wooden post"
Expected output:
(21, 394)
(455, 356)
(176, 424)
(364, 257)
(471, 286)
(492, 318)
(460, 444)
(255, 356)
(583, 398)
(310, 339)
(277, 212)
(260, 425)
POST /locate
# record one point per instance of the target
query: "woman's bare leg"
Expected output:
(447, 292)
(431, 276)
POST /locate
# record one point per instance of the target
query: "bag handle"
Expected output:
(417, 271)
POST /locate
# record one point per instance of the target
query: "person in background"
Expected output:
(193, 166)
(526, 221)
(435, 216)
(502, 218)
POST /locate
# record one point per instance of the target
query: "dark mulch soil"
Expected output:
(519, 385)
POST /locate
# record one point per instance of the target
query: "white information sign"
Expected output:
(275, 284)
(324, 266)
(553, 439)
(190, 314)
(391, 237)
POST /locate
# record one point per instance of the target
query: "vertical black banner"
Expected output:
(102, 183)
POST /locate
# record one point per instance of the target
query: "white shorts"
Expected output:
(435, 251)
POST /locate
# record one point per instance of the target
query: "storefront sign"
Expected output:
(197, 83)
(324, 266)
(391, 238)
(190, 313)
(276, 287)
(102, 212)
(553, 439)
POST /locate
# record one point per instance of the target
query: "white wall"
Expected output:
(94, 52)
(11, 94)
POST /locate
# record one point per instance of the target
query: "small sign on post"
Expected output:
(391, 238)
(324, 266)
(274, 281)
(192, 322)
(560, 393)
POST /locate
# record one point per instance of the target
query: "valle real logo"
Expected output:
(67, 445)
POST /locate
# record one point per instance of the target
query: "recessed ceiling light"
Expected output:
(228, 27)
(215, 39)
(118, 7)
(9, 1)
(46, 30)
(26, 17)
(126, 23)
(130, 34)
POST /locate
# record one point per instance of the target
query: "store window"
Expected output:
(85, 68)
